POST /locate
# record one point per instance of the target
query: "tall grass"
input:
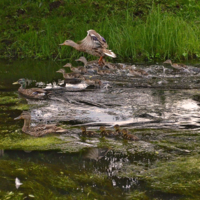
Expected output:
(161, 35)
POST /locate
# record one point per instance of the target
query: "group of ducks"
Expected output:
(93, 44)
(44, 129)
(109, 133)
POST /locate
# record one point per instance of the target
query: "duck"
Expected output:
(107, 133)
(38, 130)
(128, 136)
(175, 65)
(138, 72)
(87, 133)
(69, 75)
(81, 69)
(95, 66)
(35, 93)
(117, 129)
(103, 72)
(92, 63)
(93, 44)
(94, 82)
(71, 78)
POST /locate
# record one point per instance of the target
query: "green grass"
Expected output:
(134, 30)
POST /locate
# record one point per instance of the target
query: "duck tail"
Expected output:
(109, 53)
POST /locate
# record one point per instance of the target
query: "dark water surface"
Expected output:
(166, 99)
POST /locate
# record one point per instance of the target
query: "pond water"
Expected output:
(157, 108)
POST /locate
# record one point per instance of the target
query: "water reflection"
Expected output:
(96, 153)
(1, 152)
(129, 107)
(164, 99)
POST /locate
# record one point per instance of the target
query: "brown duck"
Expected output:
(81, 69)
(107, 133)
(138, 72)
(39, 130)
(69, 75)
(35, 93)
(71, 78)
(117, 129)
(128, 136)
(87, 133)
(93, 44)
(93, 63)
(94, 82)
(175, 65)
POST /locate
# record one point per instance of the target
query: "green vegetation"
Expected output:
(53, 181)
(180, 177)
(134, 30)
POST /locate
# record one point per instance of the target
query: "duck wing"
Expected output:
(38, 90)
(93, 40)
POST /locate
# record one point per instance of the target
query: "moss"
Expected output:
(179, 177)
(20, 107)
(8, 100)
(137, 195)
(47, 182)
(22, 141)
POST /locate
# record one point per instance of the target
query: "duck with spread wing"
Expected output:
(93, 44)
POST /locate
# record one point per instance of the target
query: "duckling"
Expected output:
(69, 75)
(128, 136)
(94, 82)
(93, 63)
(103, 72)
(81, 70)
(92, 66)
(137, 72)
(117, 129)
(175, 65)
(38, 130)
(71, 78)
(62, 71)
(87, 133)
(107, 133)
(35, 93)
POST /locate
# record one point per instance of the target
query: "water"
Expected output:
(166, 99)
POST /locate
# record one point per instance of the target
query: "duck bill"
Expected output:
(17, 118)
(62, 43)
(15, 83)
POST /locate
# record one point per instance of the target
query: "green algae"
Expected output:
(180, 176)
(47, 182)
(20, 107)
(18, 140)
(137, 195)
(9, 100)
